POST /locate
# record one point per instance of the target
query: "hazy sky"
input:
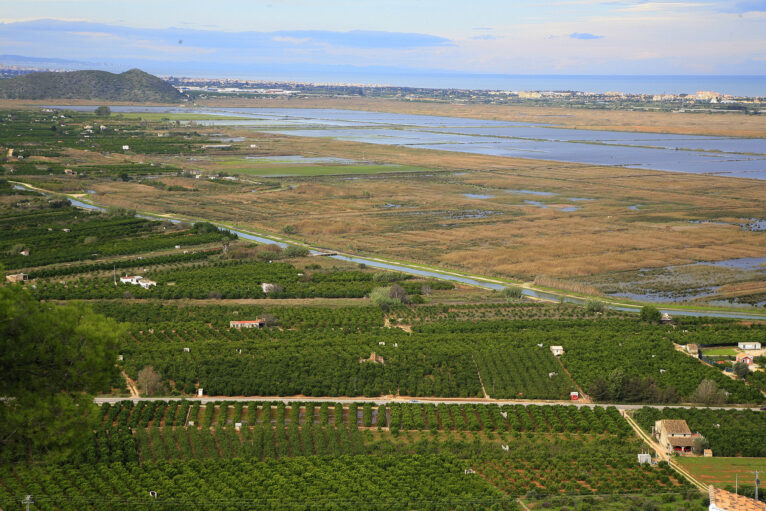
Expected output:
(477, 36)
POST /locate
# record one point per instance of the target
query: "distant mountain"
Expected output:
(134, 85)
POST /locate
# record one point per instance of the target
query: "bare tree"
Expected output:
(149, 381)
(398, 293)
(708, 393)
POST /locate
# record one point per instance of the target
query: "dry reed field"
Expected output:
(426, 216)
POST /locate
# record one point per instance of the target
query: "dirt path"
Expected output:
(484, 392)
(387, 324)
(132, 388)
(584, 398)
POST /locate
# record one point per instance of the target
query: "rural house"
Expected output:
(557, 350)
(257, 323)
(17, 277)
(745, 358)
(138, 280)
(749, 345)
(675, 435)
(722, 500)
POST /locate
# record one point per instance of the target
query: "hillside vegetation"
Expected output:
(133, 85)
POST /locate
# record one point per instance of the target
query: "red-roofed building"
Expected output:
(722, 500)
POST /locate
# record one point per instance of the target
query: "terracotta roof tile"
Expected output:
(728, 501)
(676, 427)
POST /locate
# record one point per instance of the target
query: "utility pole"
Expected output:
(27, 501)
(757, 482)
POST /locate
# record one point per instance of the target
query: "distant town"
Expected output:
(694, 102)
(699, 101)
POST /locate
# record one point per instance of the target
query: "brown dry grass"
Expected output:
(545, 281)
(517, 240)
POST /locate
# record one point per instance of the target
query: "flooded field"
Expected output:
(736, 157)
(715, 282)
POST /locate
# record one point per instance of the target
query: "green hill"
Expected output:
(134, 85)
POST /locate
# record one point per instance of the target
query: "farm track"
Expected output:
(401, 399)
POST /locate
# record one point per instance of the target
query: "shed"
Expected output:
(749, 345)
(374, 358)
(666, 318)
(644, 458)
(17, 277)
(256, 323)
(557, 350)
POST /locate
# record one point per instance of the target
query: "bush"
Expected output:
(741, 369)
(593, 306)
(381, 297)
(296, 251)
(387, 276)
(650, 313)
(511, 292)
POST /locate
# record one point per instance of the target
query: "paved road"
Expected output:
(387, 400)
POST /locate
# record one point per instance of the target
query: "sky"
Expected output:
(234, 37)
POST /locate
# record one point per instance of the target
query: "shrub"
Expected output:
(511, 292)
(296, 251)
(650, 313)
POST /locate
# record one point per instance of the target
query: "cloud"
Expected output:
(364, 38)
(486, 37)
(584, 35)
(58, 31)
